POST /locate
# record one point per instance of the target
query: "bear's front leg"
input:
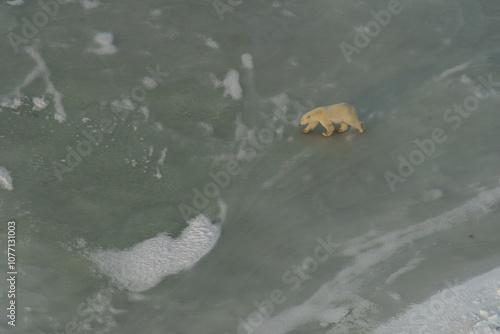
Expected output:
(343, 127)
(310, 126)
(329, 129)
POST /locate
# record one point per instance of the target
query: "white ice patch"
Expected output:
(163, 154)
(39, 103)
(222, 209)
(144, 265)
(40, 71)
(210, 42)
(465, 79)
(102, 319)
(412, 264)
(12, 103)
(149, 82)
(231, 85)
(474, 304)
(158, 174)
(124, 103)
(16, 2)
(432, 194)
(246, 60)
(105, 42)
(145, 111)
(217, 83)
(5, 179)
(490, 324)
(455, 69)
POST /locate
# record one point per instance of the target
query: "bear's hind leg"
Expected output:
(343, 127)
(358, 126)
(310, 126)
(329, 129)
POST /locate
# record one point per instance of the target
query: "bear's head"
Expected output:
(309, 117)
(306, 119)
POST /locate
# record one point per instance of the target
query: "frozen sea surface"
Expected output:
(152, 159)
(471, 307)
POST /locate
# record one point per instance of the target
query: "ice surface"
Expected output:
(144, 265)
(267, 61)
(210, 42)
(12, 103)
(89, 4)
(104, 40)
(412, 264)
(163, 154)
(231, 84)
(5, 179)
(286, 167)
(145, 111)
(454, 69)
(149, 83)
(40, 71)
(490, 324)
(39, 103)
(367, 255)
(16, 2)
(247, 61)
(475, 303)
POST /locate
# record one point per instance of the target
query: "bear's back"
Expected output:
(341, 112)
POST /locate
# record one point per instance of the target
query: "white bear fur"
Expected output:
(341, 113)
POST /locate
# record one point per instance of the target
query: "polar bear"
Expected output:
(341, 113)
